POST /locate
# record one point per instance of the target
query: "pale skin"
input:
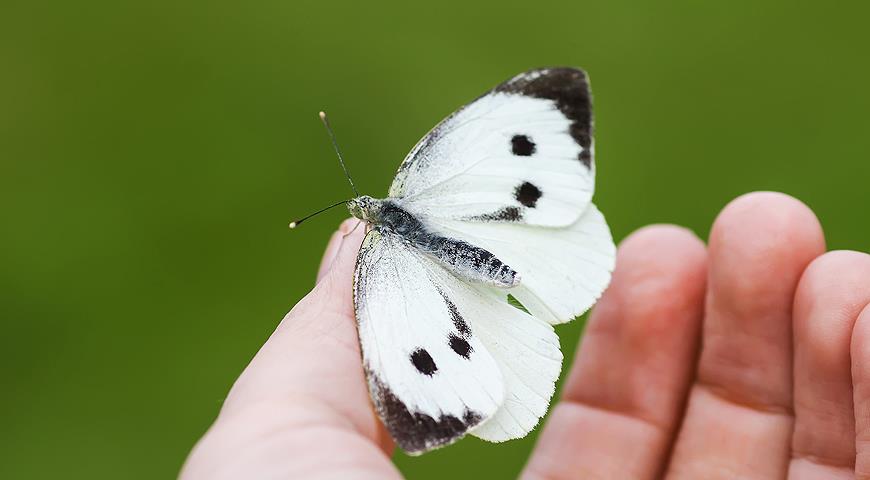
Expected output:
(745, 358)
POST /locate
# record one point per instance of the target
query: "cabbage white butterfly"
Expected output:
(494, 202)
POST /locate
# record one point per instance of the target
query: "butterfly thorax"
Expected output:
(462, 258)
(386, 214)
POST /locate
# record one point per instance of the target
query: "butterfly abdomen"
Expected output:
(470, 262)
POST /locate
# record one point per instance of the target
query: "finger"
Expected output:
(622, 400)
(739, 419)
(332, 247)
(304, 391)
(315, 337)
(860, 350)
(831, 294)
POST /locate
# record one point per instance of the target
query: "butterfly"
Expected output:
(488, 239)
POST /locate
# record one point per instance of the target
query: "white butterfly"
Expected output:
(495, 200)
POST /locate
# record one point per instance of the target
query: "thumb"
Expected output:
(316, 344)
(335, 243)
(303, 397)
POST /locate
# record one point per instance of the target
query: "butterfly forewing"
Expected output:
(430, 377)
(521, 153)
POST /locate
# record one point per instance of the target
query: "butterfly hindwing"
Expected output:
(521, 153)
(564, 271)
(527, 352)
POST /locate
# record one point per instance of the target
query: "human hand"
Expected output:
(747, 359)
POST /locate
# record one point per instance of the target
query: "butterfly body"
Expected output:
(495, 200)
(462, 258)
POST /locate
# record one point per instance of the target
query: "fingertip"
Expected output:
(762, 242)
(767, 220)
(328, 255)
(352, 232)
(668, 242)
(825, 266)
(652, 265)
(347, 225)
(339, 276)
(333, 246)
(837, 277)
(776, 205)
(831, 293)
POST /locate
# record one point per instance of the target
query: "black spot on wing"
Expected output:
(523, 146)
(417, 432)
(460, 346)
(458, 322)
(506, 214)
(527, 194)
(569, 88)
(423, 362)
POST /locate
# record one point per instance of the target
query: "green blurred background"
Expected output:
(152, 153)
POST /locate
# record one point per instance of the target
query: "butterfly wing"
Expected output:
(439, 353)
(563, 270)
(520, 153)
(527, 352)
(470, 180)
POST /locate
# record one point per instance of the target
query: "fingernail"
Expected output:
(332, 248)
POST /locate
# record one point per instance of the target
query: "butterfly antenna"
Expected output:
(306, 217)
(338, 151)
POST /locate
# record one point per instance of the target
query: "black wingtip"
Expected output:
(569, 88)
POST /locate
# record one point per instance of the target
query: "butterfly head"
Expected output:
(365, 208)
